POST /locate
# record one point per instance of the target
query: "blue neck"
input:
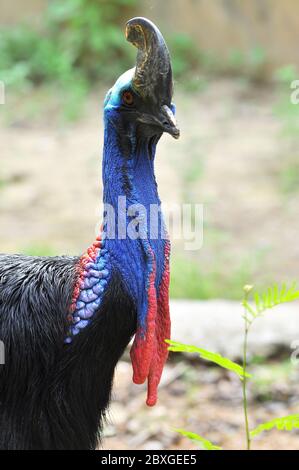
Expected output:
(128, 170)
(131, 175)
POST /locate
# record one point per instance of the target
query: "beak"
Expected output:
(169, 122)
(153, 73)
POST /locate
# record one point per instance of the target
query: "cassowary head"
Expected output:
(140, 100)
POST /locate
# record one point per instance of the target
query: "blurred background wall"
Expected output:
(12, 12)
(224, 24)
(217, 25)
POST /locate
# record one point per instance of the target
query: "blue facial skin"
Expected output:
(128, 171)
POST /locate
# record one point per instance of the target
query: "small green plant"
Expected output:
(286, 423)
(255, 306)
(262, 302)
(216, 359)
(207, 445)
(209, 356)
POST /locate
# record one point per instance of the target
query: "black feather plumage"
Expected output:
(52, 395)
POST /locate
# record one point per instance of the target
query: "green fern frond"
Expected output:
(249, 310)
(258, 301)
(196, 437)
(286, 423)
(208, 356)
(270, 298)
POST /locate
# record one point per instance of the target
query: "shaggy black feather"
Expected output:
(53, 395)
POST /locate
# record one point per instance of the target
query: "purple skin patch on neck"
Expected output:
(93, 277)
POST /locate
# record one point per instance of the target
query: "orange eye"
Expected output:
(128, 98)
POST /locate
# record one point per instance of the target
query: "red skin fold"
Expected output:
(149, 351)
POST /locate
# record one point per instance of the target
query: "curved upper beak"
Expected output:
(153, 72)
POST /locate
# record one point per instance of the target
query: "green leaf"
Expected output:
(257, 301)
(196, 437)
(208, 356)
(286, 423)
(271, 297)
(249, 309)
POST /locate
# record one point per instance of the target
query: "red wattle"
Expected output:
(144, 342)
(149, 351)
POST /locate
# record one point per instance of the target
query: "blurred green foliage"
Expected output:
(186, 57)
(284, 109)
(192, 279)
(2, 183)
(267, 379)
(251, 64)
(289, 175)
(78, 41)
(38, 249)
(286, 74)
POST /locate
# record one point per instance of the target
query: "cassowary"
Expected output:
(65, 321)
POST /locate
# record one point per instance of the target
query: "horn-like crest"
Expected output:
(153, 73)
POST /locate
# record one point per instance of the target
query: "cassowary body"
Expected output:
(53, 395)
(66, 321)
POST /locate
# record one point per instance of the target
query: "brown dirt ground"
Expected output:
(202, 400)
